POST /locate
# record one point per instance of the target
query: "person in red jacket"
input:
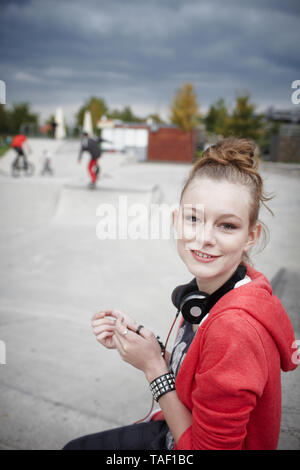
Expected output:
(18, 144)
(220, 387)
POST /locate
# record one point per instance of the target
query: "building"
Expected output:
(285, 145)
(125, 136)
(170, 144)
(149, 141)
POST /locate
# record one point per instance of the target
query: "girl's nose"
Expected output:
(208, 234)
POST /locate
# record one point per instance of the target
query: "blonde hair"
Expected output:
(235, 160)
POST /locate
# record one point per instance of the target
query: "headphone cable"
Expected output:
(177, 313)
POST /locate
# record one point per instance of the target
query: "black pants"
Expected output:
(20, 154)
(142, 436)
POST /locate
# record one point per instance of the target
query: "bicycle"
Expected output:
(27, 168)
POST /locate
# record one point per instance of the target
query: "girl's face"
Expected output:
(212, 227)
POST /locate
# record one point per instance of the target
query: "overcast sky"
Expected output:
(138, 52)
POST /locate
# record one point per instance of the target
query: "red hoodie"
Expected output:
(230, 377)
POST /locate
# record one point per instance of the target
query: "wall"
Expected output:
(170, 144)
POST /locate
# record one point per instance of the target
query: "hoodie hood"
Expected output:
(256, 298)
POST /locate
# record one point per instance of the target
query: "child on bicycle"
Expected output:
(18, 145)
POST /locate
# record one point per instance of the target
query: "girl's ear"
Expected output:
(253, 237)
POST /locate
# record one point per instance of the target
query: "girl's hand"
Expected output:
(103, 324)
(141, 351)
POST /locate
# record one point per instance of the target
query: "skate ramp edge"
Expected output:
(77, 206)
(25, 206)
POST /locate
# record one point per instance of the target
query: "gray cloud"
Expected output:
(138, 53)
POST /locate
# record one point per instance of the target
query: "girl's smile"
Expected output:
(203, 257)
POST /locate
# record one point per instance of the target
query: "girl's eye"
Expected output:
(228, 226)
(191, 218)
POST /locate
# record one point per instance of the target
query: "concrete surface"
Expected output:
(58, 383)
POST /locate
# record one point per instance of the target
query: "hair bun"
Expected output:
(242, 153)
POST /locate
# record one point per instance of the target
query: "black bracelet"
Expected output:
(161, 385)
(162, 347)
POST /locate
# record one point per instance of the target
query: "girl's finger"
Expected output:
(99, 329)
(97, 315)
(102, 314)
(104, 321)
(107, 340)
(132, 324)
(121, 328)
(115, 314)
(103, 335)
(145, 333)
(119, 344)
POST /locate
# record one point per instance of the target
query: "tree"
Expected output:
(184, 108)
(48, 122)
(20, 116)
(50, 119)
(97, 108)
(243, 122)
(4, 120)
(125, 115)
(155, 118)
(216, 118)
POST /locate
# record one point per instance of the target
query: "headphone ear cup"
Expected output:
(177, 295)
(193, 307)
(190, 302)
(180, 292)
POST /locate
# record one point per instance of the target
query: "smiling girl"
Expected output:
(220, 387)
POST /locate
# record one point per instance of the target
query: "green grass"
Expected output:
(3, 149)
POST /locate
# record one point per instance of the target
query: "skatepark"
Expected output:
(57, 382)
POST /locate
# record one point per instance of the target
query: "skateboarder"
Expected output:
(91, 145)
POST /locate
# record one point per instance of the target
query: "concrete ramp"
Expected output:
(78, 205)
(26, 205)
